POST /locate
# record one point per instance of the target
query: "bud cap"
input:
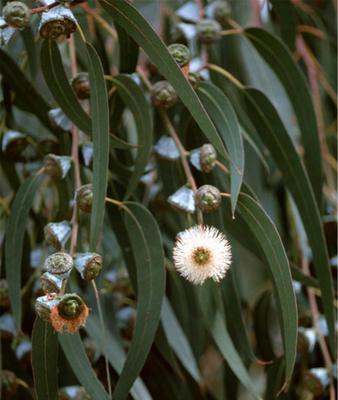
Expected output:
(163, 95)
(16, 14)
(208, 198)
(89, 265)
(59, 264)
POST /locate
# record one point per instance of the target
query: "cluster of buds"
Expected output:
(66, 312)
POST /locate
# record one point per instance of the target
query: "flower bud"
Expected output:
(57, 234)
(59, 119)
(208, 31)
(80, 85)
(221, 11)
(84, 198)
(166, 148)
(59, 264)
(56, 22)
(208, 198)
(44, 306)
(57, 166)
(316, 380)
(70, 314)
(194, 79)
(50, 283)
(89, 265)
(208, 157)
(183, 200)
(163, 95)
(13, 143)
(16, 14)
(181, 55)
(23, 350)
(4, 294)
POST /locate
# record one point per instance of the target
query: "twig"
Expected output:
(315, 320)
(225, 73)
(183, 153)
(101, 21)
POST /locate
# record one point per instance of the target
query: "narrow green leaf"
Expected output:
(147, 248)
(24, 90)
(178, 341)
(63, 93)
(75, 353)
(279, 143)
(129, 51)
(15, 230)
(271, 245)
(286, 16)
(58, 84)
(224, 117)
(100, 129)
(141, 31)
(135, 100)
(276, 54)
(45, 360)
(211, 306)
(115, 354)
(29, 42)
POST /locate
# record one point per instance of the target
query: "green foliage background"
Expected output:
(268, 105)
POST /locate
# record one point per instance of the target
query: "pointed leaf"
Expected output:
(178, 341)
(58, 84)
(279, 143)
(210, 303)
(100, 128)
(45, 360)
(75, 353)
(224, 117)
(15, 230)
(140, 30)
(24, 90)
(277, 55)
(146, 245)
(115, 354)
(264, 230)
(135, 100)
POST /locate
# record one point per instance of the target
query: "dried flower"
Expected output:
(202, 252)
(70, 314)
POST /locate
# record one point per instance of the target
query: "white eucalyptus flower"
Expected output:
(202, 252)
